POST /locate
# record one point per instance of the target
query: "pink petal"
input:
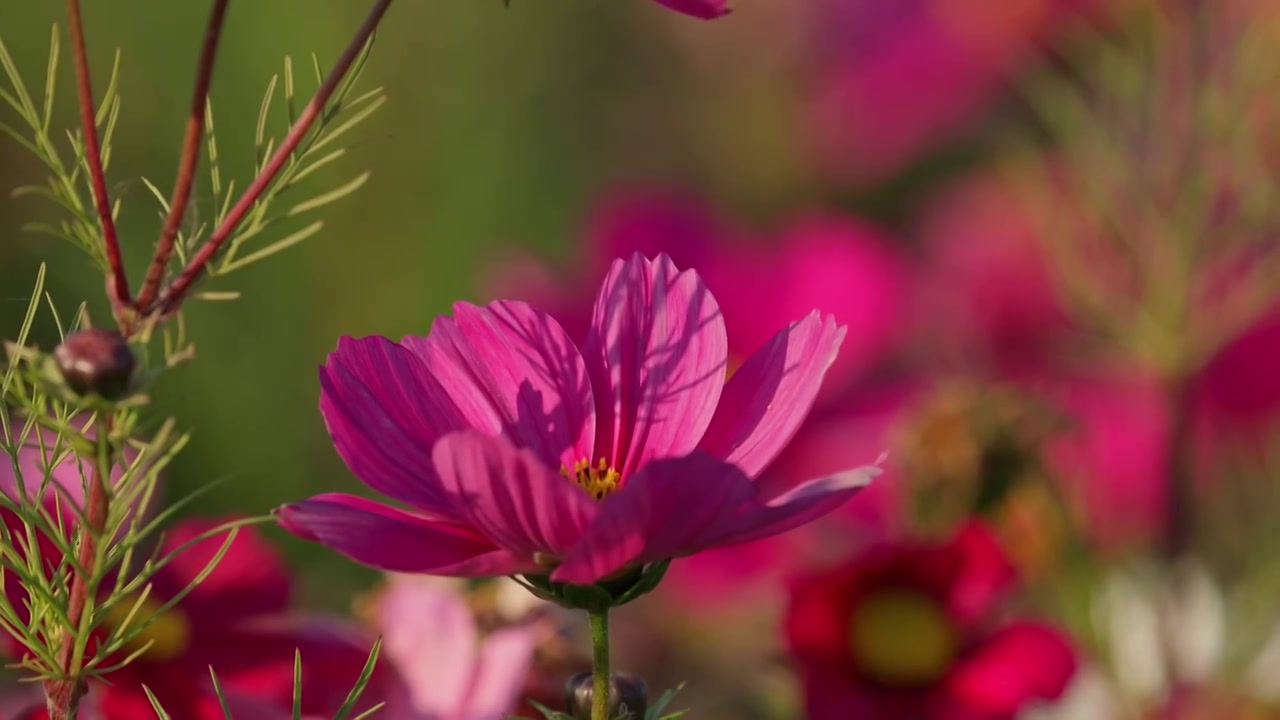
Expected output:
(429, 635)
(503, 672)
(384, 537)
(979, 571)
(511, 497)
(704, 9)
(768, 398)
(250, 579)
(657, 357)
(384, 411)
(1019, 664)
(513, 370)
(670, 508)
(803, 504)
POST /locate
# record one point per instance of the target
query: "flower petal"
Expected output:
(511, 497)
(1020, 663)
(250, 579)
(430, 636)
(702, 9)
(512, 370)
(384, 537)
(670, 508)
(657, 354)
(768, 398)
(503, 672)
(803, 504)
(384, 411)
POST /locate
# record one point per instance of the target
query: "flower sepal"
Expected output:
(653, 711)
(91, 369)
(611, 592)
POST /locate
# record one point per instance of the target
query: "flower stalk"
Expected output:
(600, 664)
(63, 694)
(187, 164)
(117, 281)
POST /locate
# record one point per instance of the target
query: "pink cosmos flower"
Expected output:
(818, 260)
(520, 452)
(909, 630)
(448, 671)
(898, 79)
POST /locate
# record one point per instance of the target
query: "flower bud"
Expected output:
(95, 361)
(628, 696)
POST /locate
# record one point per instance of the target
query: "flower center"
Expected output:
(902, 637)
(165, 637)
(598, 480)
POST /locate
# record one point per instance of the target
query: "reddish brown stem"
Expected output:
(171, 298)
(190, 159)
(63, 694)
(117, 282)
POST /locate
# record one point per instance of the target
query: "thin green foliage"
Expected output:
(342, 113)
(1155, 177)
(247, 245)
(68, 183)
(352, 697)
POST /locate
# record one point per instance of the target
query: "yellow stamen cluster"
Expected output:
(598, 480)
(902, 637)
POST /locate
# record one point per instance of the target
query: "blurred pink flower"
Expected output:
(469, 424)
(912, 630)
(834, 263)
(989, 297)
(897, 79)
(447, 670)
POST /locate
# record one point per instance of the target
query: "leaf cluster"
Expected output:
(1163, 177)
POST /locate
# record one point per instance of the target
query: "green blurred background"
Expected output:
(501, 121)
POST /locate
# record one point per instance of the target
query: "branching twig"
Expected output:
(117, 282)
(190, 157)
(171, 298)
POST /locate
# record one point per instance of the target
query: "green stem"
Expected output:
(600, 664)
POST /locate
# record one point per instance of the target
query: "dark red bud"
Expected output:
(628, 696)
(95, 361)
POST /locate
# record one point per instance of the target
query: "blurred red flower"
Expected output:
(911, 630)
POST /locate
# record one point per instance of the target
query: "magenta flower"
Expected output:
(817, 259)
(897, 80)
(521, 453)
